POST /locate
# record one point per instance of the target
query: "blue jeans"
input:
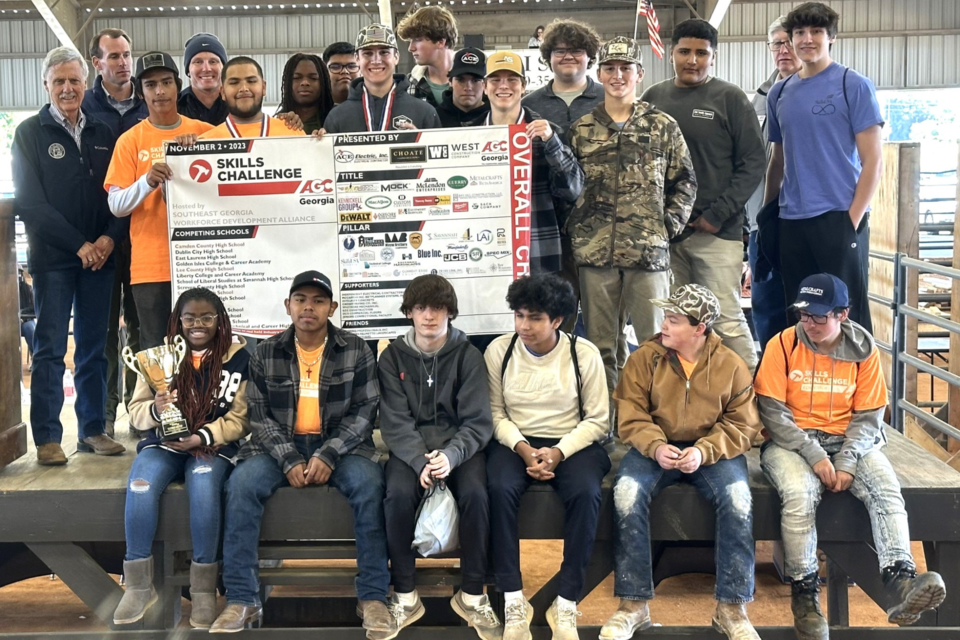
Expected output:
(153, 469)
(725, 484)
(55, 293)
(27, 329)
(768, 303)
(359, 479)
(875, 485)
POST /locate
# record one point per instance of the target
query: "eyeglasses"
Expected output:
(204, 321)
(809, 317)
(350, 67)
(776, 45)
(563, 53)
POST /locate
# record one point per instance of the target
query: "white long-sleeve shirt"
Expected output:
(122, 202)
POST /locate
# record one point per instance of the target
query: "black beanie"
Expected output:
(203, 42)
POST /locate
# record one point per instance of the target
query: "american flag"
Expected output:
(645, 8)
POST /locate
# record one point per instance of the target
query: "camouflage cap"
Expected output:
(692, 300)
(376, 35)
(620, 48)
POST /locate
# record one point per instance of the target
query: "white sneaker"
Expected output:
(405, 616)
(482, 617)
(732, 621)
(518, 615)
(623, 624)
(563, 621)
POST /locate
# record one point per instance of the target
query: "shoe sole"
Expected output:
(641, 626)
(252, 621)
(51, 463)
(138, 618)
(83, 447)
(457, 609)
(908, 612)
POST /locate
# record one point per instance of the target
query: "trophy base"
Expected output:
(173, 430)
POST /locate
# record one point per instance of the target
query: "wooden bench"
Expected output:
(69, 521)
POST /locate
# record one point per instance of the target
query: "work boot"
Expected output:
(518, 614)
(377, 620)
(916, 594)
(236, 617)
(562, 618)
(481, 617)
(140, 594)
(100, 444)
(203, 594)
(732, 621)
(632, 616)
(808, 620)
(51, 455)
(405, 616)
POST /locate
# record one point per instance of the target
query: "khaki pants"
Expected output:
(716, 264)
(603, 292)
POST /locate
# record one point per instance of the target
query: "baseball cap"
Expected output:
(376, 35)
(620, 48)
(692, 300)
(468, 61)
(313, 279)
(504, 61)
(821, 293)
(156, 60)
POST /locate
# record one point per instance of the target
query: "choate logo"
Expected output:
(457, 182)
(408, 154)
(200, 171)
(378, 202)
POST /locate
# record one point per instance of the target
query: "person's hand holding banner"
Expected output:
(540, 129)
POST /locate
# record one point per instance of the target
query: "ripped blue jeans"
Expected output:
(153, 469)
(725, 484)
(875, 485)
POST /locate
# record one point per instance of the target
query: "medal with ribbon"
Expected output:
(385, 115)
(235, 132)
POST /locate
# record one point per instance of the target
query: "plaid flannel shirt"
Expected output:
(349, 396)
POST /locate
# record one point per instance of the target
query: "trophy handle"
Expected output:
(132, 363)
(179, 348)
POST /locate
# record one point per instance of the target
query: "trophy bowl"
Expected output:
(158, 367)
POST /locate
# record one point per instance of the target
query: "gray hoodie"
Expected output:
(863, 433)
(434, 401)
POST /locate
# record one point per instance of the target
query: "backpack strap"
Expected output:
(576, 369)
(507, 356)
(844, 83)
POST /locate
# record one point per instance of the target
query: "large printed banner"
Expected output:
(370, 210)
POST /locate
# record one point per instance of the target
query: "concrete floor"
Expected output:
(46, 604)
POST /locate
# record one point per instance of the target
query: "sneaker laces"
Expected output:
(485, 611)
(397, 611)
(567, 617)
(516, 613)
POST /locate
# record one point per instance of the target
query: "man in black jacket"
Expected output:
(114, 100)
(435, 418)
(203, 59)
(378, 100)
(60, 159)
(465, 102)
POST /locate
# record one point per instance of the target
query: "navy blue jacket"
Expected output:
(59, 191)
(95, 104)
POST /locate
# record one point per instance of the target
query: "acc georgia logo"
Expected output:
(56, 151)
(401, 121)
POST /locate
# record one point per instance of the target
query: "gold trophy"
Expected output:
(157, 367)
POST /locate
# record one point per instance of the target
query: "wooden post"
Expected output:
(13, 431)
(895, 228)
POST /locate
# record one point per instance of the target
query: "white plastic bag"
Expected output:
(438, 522)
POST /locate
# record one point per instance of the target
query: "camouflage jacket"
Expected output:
(638, 192)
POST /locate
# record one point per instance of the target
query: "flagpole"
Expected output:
(636, 20)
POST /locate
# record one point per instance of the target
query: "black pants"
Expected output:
(120, 379)
(578, 482)
(153, 309)
(828, 243)
(469, 485)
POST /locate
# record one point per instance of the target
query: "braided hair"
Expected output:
(287, 103)
(197, 386)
